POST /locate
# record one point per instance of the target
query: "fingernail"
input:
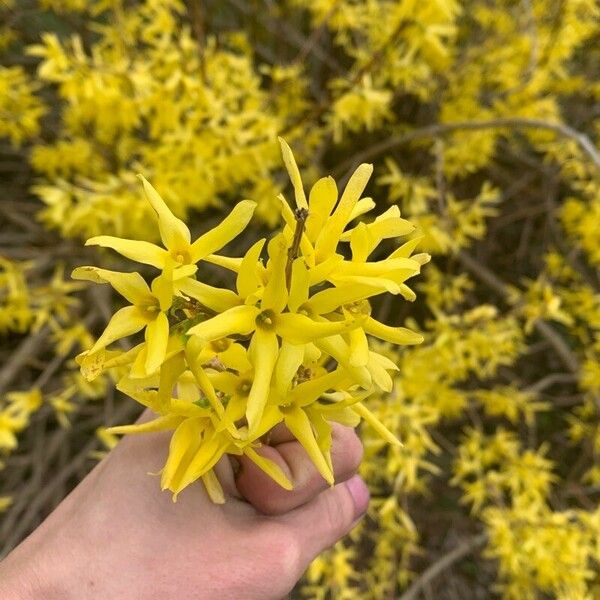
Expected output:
(360, 495)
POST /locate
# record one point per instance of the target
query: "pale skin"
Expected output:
(118, 536)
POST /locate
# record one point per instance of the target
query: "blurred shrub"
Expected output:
(482, 121)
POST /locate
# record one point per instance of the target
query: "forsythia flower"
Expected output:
(290, 345)
(15, 414)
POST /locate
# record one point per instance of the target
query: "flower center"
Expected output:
(150, 308)
(243, 388)
(220, 345)
(305, 310)
(181, 256)
(358, 309)
(266, 320)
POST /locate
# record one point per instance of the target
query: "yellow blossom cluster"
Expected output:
(481, 120)
(148, 102)
(289, 345)
(20, 108)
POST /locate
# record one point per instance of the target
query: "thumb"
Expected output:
(328, 517)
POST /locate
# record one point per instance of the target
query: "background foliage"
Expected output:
(482, 120)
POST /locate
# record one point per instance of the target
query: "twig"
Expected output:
(438, 567)
(301, 215)
(440, 129)
(484, 274)
(546, 382)
(29, 347)
(315, 113)
(569, 359)
(289, 34)
(197, 18)
(313, 40)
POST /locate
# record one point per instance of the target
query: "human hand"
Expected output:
(117, 536)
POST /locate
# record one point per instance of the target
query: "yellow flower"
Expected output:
(5, 502)
(269, 320)
(326, 225)
(195, 448)
(290, 344)
(148, 311)
(176, 236)
(14, 417)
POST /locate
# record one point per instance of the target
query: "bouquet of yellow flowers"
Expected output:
(290, 344)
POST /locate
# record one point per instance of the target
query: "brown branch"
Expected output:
(28, 348)
(281, 29)
(313, 40)
(197, 19)
(549, 380)
(484, 274)
(317, 111)
(440, 129)
(441, 565)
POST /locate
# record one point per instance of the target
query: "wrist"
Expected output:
(33, 571)
(18, 578)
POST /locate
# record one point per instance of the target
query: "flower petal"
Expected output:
(236, 357)
(227, 262)
(407, 248)
(124, 322)
(263, 350)
(336, 347)
(272, 469)
(310, 391)
(183, 446)
(380, 267)
(170, 372)
(334, 227)
(297, 422)
(364, 205)
(162, 289)
(290, 358)
(382, 283)
(271, 416)
(173, 231)
(359, 243)
(165, 423)
(276, 294)
(235, 410)
(324, 269)
(248, 280)
(294, 173)
(300, 329)
(322, 199)
(299, 288)
(360, 409)
(225, 381)
(237, 320)
(359, 347)
(381, 378)
(322, 429)
(330, 299)
(157, 337)
(130, 285)
(207, 456)
(219, 236)
(203, 381)
(143, 252)
(215, 298)
(395, 335)
(213, 487)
